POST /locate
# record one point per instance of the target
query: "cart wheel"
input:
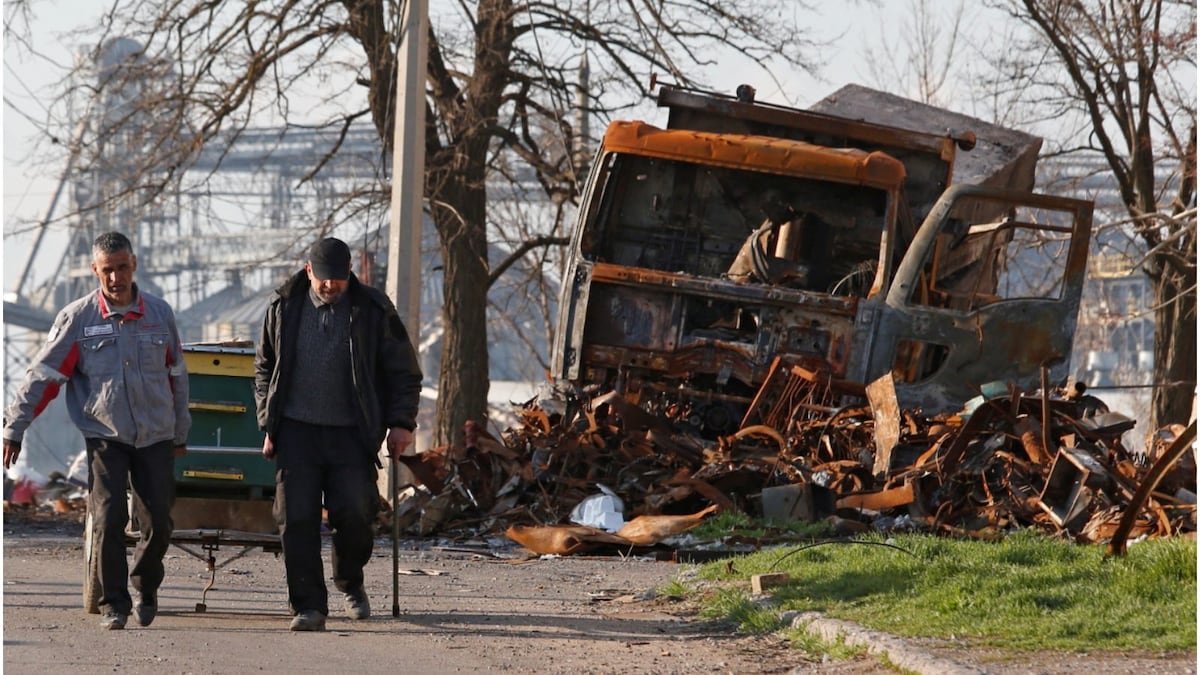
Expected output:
(91, 569)
(201, 607)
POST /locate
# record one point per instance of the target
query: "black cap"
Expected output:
(330, 259)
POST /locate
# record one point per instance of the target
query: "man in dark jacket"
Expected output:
(335, 372)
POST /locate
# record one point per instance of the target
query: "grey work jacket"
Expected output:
(124, 375)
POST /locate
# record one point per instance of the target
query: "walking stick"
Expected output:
(394, 479)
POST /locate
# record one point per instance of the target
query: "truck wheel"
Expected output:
(91, 569)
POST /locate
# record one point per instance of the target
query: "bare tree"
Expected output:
(499, 87)
(1123, 72)
(919, 59)
(492, 97)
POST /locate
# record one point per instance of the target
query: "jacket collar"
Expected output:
(137, 312)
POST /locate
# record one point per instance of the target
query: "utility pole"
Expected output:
(408, 167)
(408, 191)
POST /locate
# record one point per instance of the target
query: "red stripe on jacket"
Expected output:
(66, 368)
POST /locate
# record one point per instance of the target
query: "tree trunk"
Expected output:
(463, 376)
(456, 183)
(1174, 347)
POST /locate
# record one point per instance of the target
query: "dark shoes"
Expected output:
(145, 607)
(308, 619)
(113, 621)
(357, 606)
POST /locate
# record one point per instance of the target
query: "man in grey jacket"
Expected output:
(119, 354)
(334, 372)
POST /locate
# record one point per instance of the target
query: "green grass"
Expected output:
(735, 523)
(1027, 592)
(750, 617)
(817, 648)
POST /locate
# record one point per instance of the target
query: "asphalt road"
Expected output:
(466, 608)
(459, 613)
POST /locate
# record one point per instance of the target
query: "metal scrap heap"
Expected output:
(1008, 460)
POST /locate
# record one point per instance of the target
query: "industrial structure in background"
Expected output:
(222, 235)
(217, 249)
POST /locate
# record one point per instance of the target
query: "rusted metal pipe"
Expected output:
(1116, 545)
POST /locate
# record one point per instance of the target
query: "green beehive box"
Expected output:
(224, 457)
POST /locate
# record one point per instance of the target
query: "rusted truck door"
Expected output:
(989, 289)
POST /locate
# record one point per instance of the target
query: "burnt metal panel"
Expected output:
(648, 320)
(1010, 340)
(1074, 478)
(1002, 157)
(928, 158)
(886, 411)
(760, 153)
(713, 112)
(723, 289)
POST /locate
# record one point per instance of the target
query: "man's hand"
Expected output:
(11, 451)
(268, 447)
(397, 441)
(181, 450)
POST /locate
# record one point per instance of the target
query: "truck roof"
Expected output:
(1002, 157)
(928, 158)
(761, 153)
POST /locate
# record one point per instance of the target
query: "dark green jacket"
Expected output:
(387, 376)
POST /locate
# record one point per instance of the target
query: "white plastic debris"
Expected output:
(605, 511)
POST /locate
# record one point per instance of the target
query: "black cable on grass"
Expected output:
(841, 541)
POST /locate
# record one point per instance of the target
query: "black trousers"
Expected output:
(150, 472)
(312, 462)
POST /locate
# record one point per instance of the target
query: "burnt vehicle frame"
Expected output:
(745, 234)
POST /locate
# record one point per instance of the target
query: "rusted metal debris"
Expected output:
(644, 530)
(1012, 461)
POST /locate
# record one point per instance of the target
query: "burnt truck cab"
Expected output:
(706, 254)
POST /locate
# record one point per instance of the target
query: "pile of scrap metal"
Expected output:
(1008, 460)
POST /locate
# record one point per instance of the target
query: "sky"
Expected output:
(29, 183)
(31, 171)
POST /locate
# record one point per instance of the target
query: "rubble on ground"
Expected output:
(1008, 460)
(588, 470)
(27, 491)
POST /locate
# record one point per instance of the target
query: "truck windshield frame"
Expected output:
(704, 220)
